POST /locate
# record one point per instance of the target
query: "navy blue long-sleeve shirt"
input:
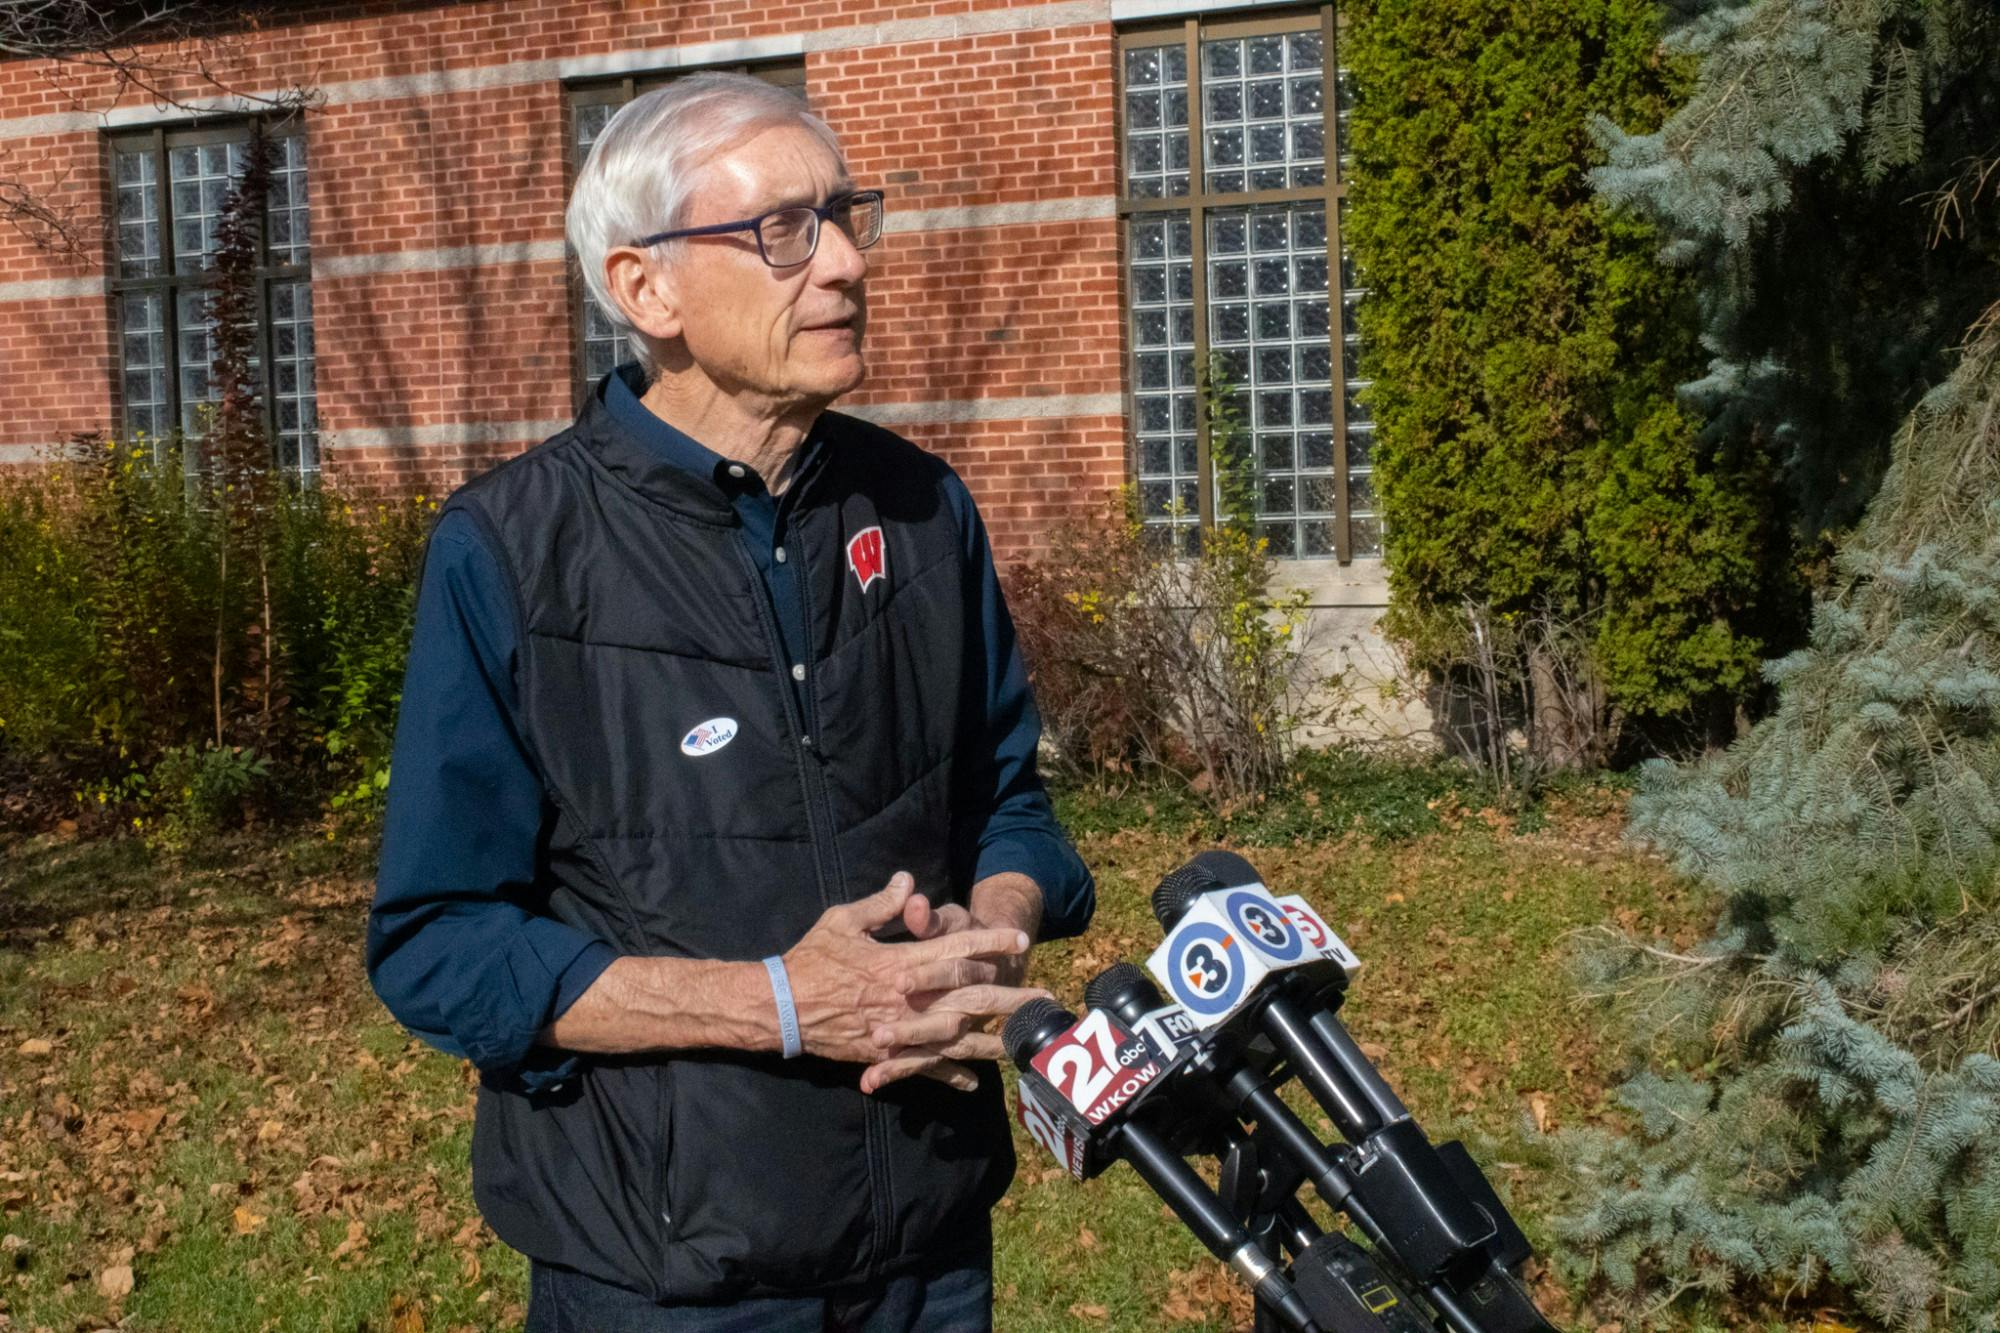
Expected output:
(458, 945)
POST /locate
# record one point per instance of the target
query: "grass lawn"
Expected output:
(208, 1122)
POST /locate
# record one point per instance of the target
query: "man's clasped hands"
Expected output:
(921, 1005)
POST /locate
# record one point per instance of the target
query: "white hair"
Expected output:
(644, 168)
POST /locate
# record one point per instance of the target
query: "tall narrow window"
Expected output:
(171, 186)
(599, 346)
(1231, 135)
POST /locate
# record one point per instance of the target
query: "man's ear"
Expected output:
(645, 292)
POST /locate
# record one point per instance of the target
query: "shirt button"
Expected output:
(735, 469)
(798, 671)
(780, 554)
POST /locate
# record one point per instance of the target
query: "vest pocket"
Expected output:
(663, 1151)
(769, 1184)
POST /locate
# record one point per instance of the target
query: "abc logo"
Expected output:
(1207, 964)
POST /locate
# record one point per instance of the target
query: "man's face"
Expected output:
(784, 334)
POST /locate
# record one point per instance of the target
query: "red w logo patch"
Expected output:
(864, 556)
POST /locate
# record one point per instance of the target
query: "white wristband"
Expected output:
(788, 1017)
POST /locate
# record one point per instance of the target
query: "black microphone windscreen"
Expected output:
(1111, 987)
(1230, 870)
(1179, 888)
(1031, 1027)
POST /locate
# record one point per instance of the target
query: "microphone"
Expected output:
(1124, 990)
(1043, 1036)
(1238, 959)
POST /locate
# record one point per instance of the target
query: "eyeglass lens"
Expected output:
(791, 236)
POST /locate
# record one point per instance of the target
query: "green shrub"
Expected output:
(197, 792)
(1525, 347)
(128, 647)
(1147, 663)
(350, 575)
(107, 591)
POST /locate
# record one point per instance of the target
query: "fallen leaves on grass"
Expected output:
(405, 1315)
(357, 1240)
(1200, 1293)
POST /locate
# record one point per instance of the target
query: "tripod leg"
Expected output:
(1265, 1320)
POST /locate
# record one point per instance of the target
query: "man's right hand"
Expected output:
(847, 985)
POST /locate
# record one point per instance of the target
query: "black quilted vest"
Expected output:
(717, 1174)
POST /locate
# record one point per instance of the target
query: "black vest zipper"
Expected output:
(875, 1113)
(805, 750)
(812, 778)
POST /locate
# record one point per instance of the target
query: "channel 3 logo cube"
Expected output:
(1229, 940)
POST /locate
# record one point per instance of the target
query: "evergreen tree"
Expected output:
(1819, 1098)
(1792, 184)
(1847, 1016)
(1525, 347)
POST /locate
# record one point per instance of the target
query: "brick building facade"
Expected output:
(1085, 197)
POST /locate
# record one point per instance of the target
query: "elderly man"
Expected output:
(715, 838)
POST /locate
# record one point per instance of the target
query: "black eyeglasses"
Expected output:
(787, 237)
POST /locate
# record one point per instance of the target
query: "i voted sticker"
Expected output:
(709, 736)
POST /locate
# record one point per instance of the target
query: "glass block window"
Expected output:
(1162, 298)
(1264, 114)
(1156, 119)
(599, 346)
(1234, 259)
(171, 187)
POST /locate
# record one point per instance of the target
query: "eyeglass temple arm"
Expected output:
(823, 213)
(716, 229)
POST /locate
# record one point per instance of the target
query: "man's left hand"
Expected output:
(958, 997)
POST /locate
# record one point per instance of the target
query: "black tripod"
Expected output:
(1444, 1248)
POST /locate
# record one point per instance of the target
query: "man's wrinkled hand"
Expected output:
(959, 996)
(848, 986)
(948, 1031)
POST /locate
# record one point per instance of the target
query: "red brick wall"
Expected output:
(1014, 311)
(1001, 117)
(1027, 475)
(465, 168)
(475, 344)
(961, 315)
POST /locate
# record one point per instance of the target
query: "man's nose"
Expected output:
(838, 261)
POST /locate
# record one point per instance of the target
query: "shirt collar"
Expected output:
(622, 390)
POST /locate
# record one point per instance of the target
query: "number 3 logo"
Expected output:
(1207, 969)
(1208, 973)
(1264, 922)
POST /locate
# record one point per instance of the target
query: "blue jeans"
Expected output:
(954, 1297)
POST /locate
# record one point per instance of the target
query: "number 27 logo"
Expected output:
(1082, 1064)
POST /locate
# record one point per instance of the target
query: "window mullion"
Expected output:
(170, 295)
(1336, 294)
(1198, 251)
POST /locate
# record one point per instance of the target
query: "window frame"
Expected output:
(1199, 202)
(159, 141)
(615, 91)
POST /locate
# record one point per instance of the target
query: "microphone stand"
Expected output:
(1453, 1243)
